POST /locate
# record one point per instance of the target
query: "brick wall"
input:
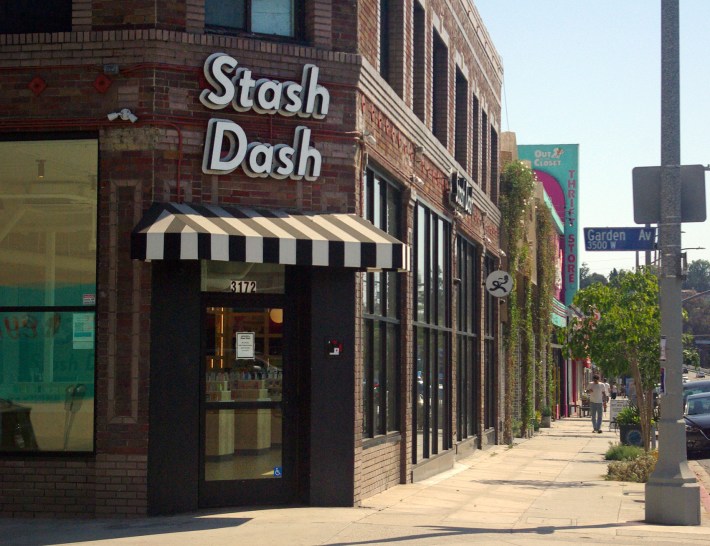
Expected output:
(159, 158)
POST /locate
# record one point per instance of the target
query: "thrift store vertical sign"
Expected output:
(561, 163)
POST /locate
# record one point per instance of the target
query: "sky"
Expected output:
(589, 73)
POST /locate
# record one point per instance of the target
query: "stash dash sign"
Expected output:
(236, 88)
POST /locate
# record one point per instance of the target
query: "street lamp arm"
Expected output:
(695, 296)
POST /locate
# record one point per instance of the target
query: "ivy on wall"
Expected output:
(546, 276)
(529, 307)
(517, 186)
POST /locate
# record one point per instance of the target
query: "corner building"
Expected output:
(242, 251)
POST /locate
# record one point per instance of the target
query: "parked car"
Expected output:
(695, 387)
(697, 422)
(697, 404)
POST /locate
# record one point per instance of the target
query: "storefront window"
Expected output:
(381, 317)
(467, 370)
(490, 363)
(48, 224)
(432, 334)
(276, 17)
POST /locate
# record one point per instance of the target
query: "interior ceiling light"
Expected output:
(276, 315)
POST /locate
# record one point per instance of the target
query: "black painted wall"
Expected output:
(332, 416)
(173, 454)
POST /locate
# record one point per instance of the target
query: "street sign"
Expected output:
(629, 238)
(647, 194)
(499, 284)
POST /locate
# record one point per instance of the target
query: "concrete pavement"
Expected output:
(547, 489)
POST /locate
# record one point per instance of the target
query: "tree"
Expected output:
(691, 357)
(595, 277)
(698, 312)
(698, 276)
(620, 331)
(586, 278)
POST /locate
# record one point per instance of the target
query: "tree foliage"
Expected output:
(620, 330)
(586, 277)
(698, 276)
(546, 278)
(691, 356)
(696, 310)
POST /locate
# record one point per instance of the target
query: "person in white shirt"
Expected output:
(596, 391)
(607, 391)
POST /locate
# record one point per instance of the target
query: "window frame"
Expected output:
(298, 25)
(490, 356)
(88, 454)
(440, 100)
(381, 292)
(467, 338)
(57, 16)
(431, 335)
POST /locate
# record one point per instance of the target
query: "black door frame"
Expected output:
(267, 491)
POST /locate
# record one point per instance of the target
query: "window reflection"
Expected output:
(276, 17)
(432, 334)
(244, 370)
(380, 398)
(48, 193)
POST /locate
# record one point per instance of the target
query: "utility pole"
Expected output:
(672, 493)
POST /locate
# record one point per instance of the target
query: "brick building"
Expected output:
(242, 251)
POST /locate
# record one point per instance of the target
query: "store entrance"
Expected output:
(249, 453)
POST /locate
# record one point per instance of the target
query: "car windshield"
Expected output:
(697, 405)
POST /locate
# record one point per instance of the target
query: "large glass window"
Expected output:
(381, 317)
(432, 334)
(47, 294)
(490, 376)
(467, 370)
(24, 16)
(277, 17)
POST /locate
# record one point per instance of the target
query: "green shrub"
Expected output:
(635, 470)
(620, 452)
(628, 416)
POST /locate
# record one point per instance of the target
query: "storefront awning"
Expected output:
(170, 231)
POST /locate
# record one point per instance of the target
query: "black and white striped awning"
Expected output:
(170, 231)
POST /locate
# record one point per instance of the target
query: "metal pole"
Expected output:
(672, 494)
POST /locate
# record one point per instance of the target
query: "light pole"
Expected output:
(672, 493)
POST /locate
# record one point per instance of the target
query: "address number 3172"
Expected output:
(242, 287)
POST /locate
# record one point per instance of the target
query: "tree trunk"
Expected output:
(644, 400)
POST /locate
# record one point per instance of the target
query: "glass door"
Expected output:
(247, 456)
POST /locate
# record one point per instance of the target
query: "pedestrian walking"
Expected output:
(605, 396)
(614, 391)
(596, 391)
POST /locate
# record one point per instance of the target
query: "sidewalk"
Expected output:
(548, 489)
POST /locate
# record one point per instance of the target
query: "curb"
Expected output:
(704, 482)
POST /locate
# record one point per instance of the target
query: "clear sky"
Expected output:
(588, 72)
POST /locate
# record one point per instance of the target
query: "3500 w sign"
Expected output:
(611, 239)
